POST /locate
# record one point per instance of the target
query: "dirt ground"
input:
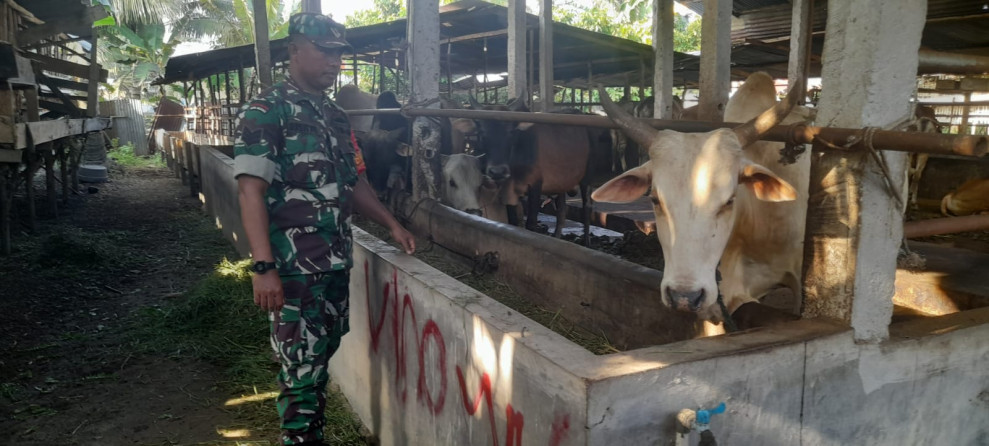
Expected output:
(70, 369)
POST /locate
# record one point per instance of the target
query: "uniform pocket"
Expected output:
(311, 165)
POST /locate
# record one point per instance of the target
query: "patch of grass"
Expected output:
(125, 157)
(217, 321)
(11, 391)
(76, 247)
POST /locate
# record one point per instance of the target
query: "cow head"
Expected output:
(497, 139)
(697, 183)
(464, 184)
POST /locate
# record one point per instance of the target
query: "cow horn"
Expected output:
(635, 129)
(473, 102)
(751, 131)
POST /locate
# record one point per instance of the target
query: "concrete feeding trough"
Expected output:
(432, 361)
(429, 360)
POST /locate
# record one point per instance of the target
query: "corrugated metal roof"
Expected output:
(469, 25)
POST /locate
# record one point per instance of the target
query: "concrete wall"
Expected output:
(219, 196)
(430, 361)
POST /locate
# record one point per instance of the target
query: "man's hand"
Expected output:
(404, 238)
(268, 291)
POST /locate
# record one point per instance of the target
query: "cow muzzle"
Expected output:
(685, 300)
(499, 172)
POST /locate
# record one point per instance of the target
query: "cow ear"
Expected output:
(626, 187)
(765, 184)
(523, 126)
(404, 149)
(465, 126)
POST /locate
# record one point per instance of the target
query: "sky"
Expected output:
(340, 9)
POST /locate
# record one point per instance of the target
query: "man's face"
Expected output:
(316, 66)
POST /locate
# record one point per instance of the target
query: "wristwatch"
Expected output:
(261, 267)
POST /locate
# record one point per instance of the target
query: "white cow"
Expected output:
(722, 201)
(466, 188)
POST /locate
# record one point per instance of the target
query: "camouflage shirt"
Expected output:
(302, 145)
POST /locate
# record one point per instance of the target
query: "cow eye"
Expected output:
(728, 204)
(453, 184)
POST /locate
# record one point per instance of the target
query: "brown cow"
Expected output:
(970, 198)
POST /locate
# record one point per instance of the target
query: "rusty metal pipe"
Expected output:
(941, 62)
(947, 225)
(915, 142)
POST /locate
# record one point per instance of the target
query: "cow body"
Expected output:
(722, 203)
(535, 159)
(970, 198)
(349, 97)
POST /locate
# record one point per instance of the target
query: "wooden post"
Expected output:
(423, 62)
(517, 27)
(312, 6)
(546, 55)
(92, 93)
(715, 78)
(531, 65)
(800, 34)
(854, 222)
(662, 46)
(6, 200)
(242, 99)
(642, 75)
(47, 151)
(484, 62)
(63, 170)
(966, 109)
(262, 50)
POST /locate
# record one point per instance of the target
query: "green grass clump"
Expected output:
(125, 157)
(218, 322)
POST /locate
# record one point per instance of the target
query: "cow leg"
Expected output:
(533, 201)
(561, 214)
(513, 214)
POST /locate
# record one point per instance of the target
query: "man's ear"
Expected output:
(626, 187)
(765, 184)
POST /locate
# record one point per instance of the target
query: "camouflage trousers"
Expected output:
(305, 333)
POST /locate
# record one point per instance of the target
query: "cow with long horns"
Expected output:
(722, 202)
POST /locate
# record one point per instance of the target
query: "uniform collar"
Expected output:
(296, 93)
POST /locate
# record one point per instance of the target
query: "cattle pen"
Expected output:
(879, 354)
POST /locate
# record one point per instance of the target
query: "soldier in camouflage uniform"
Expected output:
(298, 170)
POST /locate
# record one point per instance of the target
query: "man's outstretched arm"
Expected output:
(367, 204)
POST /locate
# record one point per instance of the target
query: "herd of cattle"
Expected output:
(724, 204)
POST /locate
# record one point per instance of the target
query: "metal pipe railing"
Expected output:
(914, 142)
